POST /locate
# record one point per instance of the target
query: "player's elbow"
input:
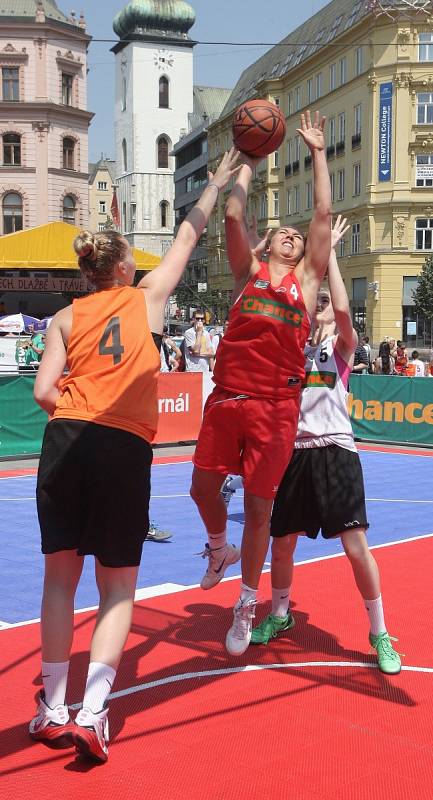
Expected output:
(323, 210)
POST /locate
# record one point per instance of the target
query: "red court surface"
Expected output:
(309, 717)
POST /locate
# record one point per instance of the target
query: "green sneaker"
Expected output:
(271, 627)
(388, 659)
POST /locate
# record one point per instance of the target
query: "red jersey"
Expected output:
(263, 348)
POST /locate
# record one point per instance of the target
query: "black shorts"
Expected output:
(323, 488)
(93, 491)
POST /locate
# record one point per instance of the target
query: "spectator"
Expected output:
(361, 361)
(401, 359)
(365, 341)
(170, 353)
(36, 346)
(384, 364)
(418, 366)
(198, 346)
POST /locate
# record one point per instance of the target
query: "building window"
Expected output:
(332, 77)
(359, 60)
(289, 104)
(101, 226)
(310, 91)
(425, 51)
(289, 201)
(124, 94)
(341, 248)
(357, 119)
(332, 182)
(356, 238)
(276, 204)
(424, 108)
(263, 211)
(331, 131)
(276, 159)
(359, 298)
(424, 170)
(308, 195)
(356, 179)
(133, 216)
(318, 87)
(296, 200)
(124, 155)
(68, 153)
(342, 70)
(67, 82)
(342, 127)
(163, 207)
(423, 232)
(163, 92)
(162, 153)
(102, 207)
(12, 212)
(297, 148)
(276, 101)
(124, 215)
(289, 151)
(11, 150)
(69, 209)
(10, 84)
(298, 101)
(340, 184)
(102, 186)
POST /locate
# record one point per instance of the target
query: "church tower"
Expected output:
(154, 95)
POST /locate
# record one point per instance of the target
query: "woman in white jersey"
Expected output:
(323, 486)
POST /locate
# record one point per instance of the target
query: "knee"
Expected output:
(282, 549)
(201, 494)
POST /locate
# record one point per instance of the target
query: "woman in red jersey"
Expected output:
(250, 419)
(94, 474)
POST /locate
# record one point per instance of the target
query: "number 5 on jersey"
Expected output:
(116, 348)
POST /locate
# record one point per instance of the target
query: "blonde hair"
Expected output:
(98, 253)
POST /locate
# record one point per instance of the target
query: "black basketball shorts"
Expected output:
(322, 489)
(93, 491)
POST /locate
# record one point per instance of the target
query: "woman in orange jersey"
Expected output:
(94, 474)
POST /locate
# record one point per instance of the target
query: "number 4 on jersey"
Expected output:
(294, 292)
(116, 348)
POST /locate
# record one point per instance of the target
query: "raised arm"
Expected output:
(347, 336)
(318, 245)
(239, 251)
(161, 282)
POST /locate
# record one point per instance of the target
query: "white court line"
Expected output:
(168, 496)
(156, 591)
(186, 676)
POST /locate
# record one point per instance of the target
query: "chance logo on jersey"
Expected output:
(270, 308)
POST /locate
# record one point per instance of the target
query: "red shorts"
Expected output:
(248, 436)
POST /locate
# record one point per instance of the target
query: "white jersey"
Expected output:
(323, 417)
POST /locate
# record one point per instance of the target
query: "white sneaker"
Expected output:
(226, 492)
(51, 726)
(219, 560)
(239, 635)
(91, 734)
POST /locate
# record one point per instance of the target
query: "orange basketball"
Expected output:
(259, 128)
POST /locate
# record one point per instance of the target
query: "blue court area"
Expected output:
(399, 490)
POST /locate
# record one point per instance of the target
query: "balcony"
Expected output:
(356, 141)
(330, 151)
(288, 170)
(295, 167)
(307, 162)
(340, 148)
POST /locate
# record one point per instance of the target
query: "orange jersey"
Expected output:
(113, 363)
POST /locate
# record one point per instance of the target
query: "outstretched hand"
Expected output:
(258, 245)
(312, 133)
(338, 231)
(229, 166)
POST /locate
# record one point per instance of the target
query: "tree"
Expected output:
(423, 294)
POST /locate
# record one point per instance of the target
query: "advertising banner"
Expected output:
(387, 408)
(180, 407)
(385, 131)
(22, 421)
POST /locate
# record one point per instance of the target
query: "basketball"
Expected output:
(259, 128)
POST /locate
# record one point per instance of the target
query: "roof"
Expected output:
(208, 102)
(27, 9)
(318, 31)
(104, 163)
(50, 247)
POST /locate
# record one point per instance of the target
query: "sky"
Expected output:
(219, 65)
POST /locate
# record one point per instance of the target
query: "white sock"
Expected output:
(280, 602)
(236, 483)
(55, 678)
(375, 615)
(100, 679)
(217, 540)
(248, 594)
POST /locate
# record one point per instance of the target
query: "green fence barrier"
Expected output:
(22, 422)
(387, 408)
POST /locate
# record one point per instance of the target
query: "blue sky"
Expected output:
(217, 20)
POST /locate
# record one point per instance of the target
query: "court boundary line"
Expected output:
(174, 588)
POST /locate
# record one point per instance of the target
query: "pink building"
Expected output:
(43, 118)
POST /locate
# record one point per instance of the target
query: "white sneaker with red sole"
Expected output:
(52, 726)
(91, 734)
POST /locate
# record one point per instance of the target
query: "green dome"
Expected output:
(145, 16)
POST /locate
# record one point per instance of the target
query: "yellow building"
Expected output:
(102, 179)
(372, 76)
